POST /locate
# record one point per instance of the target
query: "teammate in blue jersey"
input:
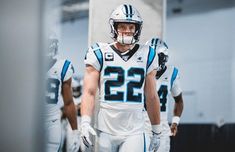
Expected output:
(168, 86)
(124, 72)
(59, 74)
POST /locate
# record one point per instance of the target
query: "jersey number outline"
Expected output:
(52, 88)
(162, 93)
(120, 80)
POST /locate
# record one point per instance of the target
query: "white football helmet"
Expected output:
(53, 47)
(162, 51)
(77, 83)
(125, 13)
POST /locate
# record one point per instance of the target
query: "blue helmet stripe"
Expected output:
(64, 69)
(130, 11)
(126, 10)
(174, 74)
(154, 43)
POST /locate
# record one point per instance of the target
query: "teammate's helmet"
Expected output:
(163, 54)
(77, 86)
(53, 47)
(162, 51)
(125, 13)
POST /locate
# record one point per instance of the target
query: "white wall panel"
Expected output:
(202, 46)
(21, 81)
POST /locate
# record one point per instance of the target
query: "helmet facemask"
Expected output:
(163, 58)
(126, 39)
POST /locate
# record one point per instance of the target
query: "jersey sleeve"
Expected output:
(175, 84)
(94, 57)
(67, 71)
(152, 60)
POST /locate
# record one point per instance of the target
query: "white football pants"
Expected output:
(110, 143)
(53, 135)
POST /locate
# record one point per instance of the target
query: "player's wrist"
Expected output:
(75, 131)
(176, 120)
(157, 129)
(85, 119)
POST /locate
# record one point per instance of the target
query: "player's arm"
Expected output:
(153, 109)
(152, 100)
(90, 84)
(178, 109)
(176, 92)
(69, 107)
(179, 105)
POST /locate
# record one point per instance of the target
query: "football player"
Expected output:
(124, 72)
(59, 77)
(168, 84)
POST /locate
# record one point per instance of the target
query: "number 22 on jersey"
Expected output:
(119, 81)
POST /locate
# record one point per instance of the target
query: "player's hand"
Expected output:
(74, 146)
(86, 130)
(155, 142)
(174, 129)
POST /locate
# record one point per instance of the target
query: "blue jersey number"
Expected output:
(162, 93)
(120, 80)
(52, 88)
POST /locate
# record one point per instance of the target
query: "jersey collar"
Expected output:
(128, 55)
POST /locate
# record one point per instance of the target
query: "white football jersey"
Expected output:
(121, 86)
(61, 70)
(168, 86)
